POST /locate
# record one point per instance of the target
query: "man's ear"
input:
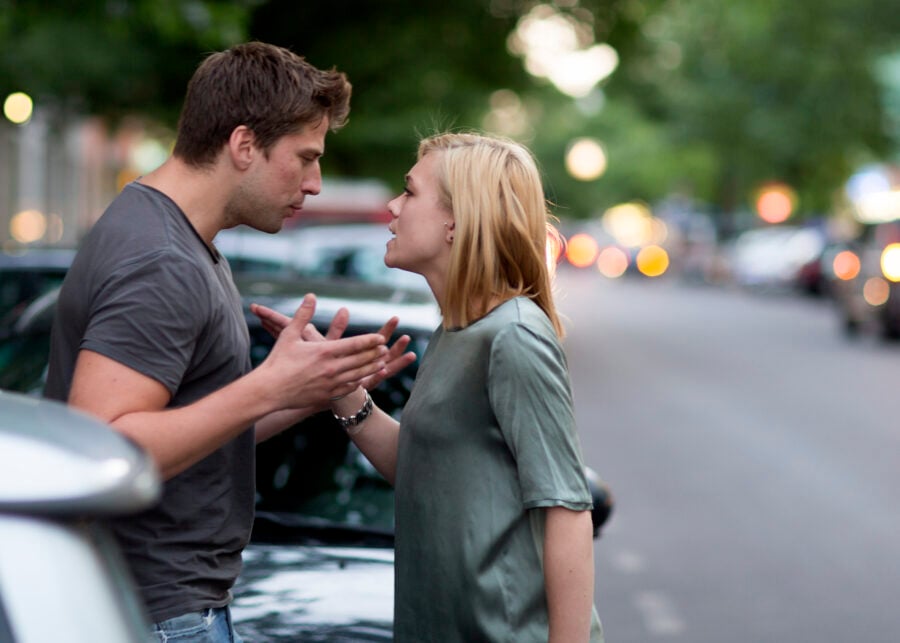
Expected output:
(242, 147)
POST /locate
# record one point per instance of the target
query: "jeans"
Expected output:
(209, 626)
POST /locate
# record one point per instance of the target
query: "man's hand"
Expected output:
(396, 359)
(308, 371)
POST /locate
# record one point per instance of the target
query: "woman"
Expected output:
(493, 526)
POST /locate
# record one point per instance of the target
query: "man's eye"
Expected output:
(407, 192)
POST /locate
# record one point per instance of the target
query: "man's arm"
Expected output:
(569, 574)
(296, 374)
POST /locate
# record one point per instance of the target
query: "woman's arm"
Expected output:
(376, 436)
(569, 574)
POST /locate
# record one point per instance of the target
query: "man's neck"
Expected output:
(198, 192)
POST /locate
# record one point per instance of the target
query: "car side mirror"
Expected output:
(603, 500)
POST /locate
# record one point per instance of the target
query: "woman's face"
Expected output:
(422, 227)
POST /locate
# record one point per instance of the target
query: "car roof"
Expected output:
(54, 258)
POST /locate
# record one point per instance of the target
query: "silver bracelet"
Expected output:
(348, 423)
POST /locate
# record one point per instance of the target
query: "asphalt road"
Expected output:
(753, 452)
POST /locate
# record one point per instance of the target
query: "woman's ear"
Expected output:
(450, 225)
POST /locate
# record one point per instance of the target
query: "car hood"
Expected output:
(291, 593)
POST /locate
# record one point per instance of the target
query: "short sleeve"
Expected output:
(148, 316)
(531, 398)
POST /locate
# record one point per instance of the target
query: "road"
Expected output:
(753, 452)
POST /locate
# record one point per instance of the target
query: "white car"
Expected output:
(62, 577)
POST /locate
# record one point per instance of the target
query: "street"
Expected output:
(752, 451)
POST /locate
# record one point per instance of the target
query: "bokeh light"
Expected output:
(890, 262)
(585, 159)
(876, 291)
(612, 262)
(18, 107)
(630, 224)
(561, 47)
(28, 226)
(652, 261)
(775, 203)
(581, 250)
(846, 265)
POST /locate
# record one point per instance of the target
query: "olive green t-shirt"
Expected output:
(487, 440)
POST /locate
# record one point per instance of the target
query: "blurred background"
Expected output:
(728, 178)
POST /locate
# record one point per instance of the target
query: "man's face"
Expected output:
(274, 188)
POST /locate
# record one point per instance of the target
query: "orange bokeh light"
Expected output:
(652, 261)
(846, 265)
(581, 250)
(775, 203)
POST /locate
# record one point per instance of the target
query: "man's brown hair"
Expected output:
(271, 90)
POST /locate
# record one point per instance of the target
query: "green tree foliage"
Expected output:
(769, 90)
(414, 69)
(710, 98)
(112, 57)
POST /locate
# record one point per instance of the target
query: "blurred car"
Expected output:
(348, 252)
(774, 257)
(62, 577)
(865, 281)
(27, 274)
(320, 563)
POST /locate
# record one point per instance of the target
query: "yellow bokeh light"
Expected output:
(846, 265)
(630, 224)
(652, 261)
(18, 107)
(28, 226)
(876, 291)
(585, 159)
(581, 251)
(612, 262)
(890, 262)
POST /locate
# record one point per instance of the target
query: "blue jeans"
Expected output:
(209, 626)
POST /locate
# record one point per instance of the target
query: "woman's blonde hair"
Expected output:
(493, 188)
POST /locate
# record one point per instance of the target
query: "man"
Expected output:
(150, 335)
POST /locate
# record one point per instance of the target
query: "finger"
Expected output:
(302, 316)
(391, 368)
(311, 334)
(388, 329)
(361, 372)
(399, 347)
(268, 316)
(338, 324)
(348, 346)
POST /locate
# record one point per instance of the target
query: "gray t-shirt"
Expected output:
(487, 439)
(147, 292)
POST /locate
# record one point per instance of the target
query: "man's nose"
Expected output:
(312, 181)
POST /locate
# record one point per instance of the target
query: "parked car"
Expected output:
(865, 281)
(346, 252)
(773, 257)
(62, 577)
(27, 274)
(320, 563)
